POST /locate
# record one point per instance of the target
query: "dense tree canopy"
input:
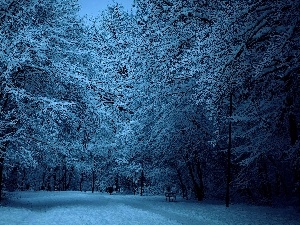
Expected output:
(147, 101)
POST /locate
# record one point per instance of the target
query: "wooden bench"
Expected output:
(171, 196)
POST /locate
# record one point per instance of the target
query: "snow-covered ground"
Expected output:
(39, 208)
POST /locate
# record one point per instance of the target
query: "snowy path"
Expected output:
(72, 208)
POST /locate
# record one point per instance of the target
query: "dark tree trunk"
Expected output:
(182, 185)
(65, 179)
(55, 181)
(48, 186)
(93, 180)
(43, 187)
(1, 173)
(133, 184)
(197, 189)
(81, 181)
(298, 186)
(280, 185)
(2, 152)
(293, 128)
(142, 179)
(23, 182)
(69, 181)
(117, 183)
(200, 177)
(93, 174)
(228, 175)
(5, 144)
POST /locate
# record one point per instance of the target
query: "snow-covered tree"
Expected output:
(38, 42)
(251, 53)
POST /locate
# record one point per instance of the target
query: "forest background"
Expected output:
(199, 96)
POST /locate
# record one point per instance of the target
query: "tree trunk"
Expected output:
(197, 189)
(65, 179)
(23, 182)
(55, 180)
(5, 144)
(142, 183)
(43, 187)
(93, 180)
(69, 181)
(228, 178)
(81, 181)
(200, 177)
(1, 173)
(293, 128)
(182, 185)
(2, 152)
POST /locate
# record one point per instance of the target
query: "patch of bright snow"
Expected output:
(41, 208)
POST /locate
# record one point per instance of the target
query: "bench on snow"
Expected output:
(170, 195)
